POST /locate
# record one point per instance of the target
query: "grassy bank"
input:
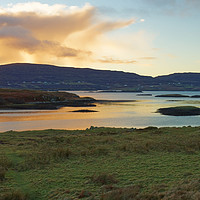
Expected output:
(101, 163)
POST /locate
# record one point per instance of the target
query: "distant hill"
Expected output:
(183, 78)
(180, 81)
(49, 77)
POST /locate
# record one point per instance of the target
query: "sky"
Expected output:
(148, 37)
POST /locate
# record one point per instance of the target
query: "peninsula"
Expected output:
(35, 99)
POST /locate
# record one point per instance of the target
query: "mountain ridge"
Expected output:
(51, 77)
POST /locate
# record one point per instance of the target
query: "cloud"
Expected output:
(55, 26)
(58, 34)
(39, 8)
(116, 61)
(70, 36)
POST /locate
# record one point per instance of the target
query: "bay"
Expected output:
(138, 113)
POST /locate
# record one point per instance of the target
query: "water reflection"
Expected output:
(139, 113)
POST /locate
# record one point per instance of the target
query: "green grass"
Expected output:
(100, 163)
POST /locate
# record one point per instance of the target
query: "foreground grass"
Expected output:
(101, 163)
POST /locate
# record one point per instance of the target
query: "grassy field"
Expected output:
(101, 163)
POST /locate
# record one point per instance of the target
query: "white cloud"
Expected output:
(66, 35)
(43, 9)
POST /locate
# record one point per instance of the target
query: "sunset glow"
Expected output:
(149, 38)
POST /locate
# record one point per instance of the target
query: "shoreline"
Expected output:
(101, 127)
(57, 105)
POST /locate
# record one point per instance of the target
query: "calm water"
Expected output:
(140, 113)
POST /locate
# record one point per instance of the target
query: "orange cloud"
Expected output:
(116, 61)
(68, 36)
(44, 31)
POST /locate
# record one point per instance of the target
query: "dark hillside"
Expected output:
(49, 77)
(190, 79)
(52, 77)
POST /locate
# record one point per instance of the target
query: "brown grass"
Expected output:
(14, 195)
(2, 174)
(185, 190)
(104, 179)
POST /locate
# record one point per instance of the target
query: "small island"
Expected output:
(195, 96)
(37, 99)
(180, 111)
(121, 90)
(172, 95)
(144, 95)
(85, 111)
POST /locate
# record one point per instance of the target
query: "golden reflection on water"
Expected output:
(108, 110)
(139, 108)
(66, 113)
(137, 112)
(191, 102)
